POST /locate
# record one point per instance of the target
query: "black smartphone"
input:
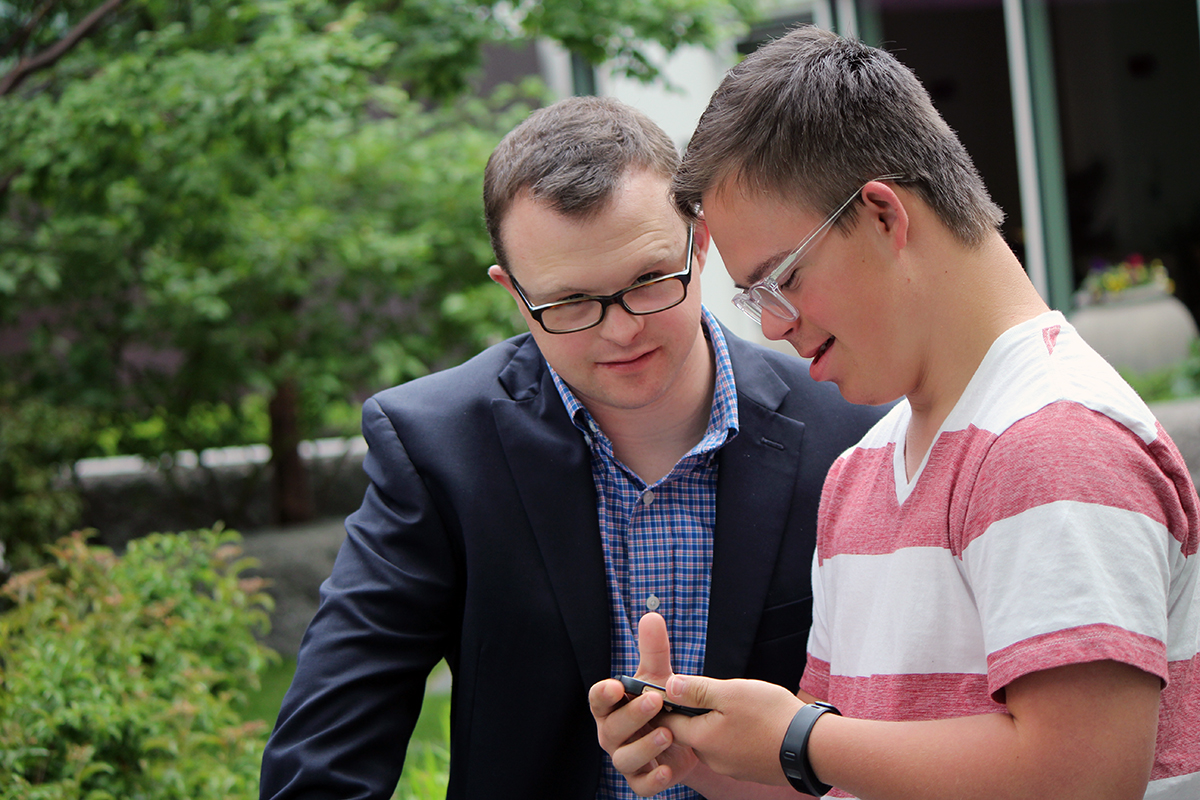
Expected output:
(635, 686)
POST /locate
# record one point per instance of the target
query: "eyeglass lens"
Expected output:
(646, 299)
(760, 299)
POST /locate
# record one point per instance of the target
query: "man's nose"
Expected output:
(775, 327)
(619, 325)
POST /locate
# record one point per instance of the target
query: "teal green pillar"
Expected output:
(1048, 142)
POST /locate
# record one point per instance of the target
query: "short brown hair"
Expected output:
(572, 156)
(811, 116)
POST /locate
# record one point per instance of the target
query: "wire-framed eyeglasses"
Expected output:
(765, 295)
(587, 311)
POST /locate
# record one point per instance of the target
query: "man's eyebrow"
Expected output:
(764, 268)
(657, 265)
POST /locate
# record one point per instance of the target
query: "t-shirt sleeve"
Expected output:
(1070, 535)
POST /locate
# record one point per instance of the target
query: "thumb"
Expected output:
(654, 648)
(693, 690)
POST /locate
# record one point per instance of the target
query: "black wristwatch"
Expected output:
(793, 753)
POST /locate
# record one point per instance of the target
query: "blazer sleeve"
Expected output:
(384, 621)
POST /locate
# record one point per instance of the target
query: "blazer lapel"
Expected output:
(757, 473)
(551, 466)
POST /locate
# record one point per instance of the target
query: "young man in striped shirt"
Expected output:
(1006, 598)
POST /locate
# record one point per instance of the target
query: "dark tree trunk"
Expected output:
(291, 495)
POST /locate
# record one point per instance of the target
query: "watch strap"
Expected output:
(793, 753)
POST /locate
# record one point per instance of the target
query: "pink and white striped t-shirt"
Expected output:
(1052, 522)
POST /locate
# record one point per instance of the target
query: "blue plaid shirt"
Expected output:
(658, 539)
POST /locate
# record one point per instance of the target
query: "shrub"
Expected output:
(120, 675)
(1170, 383)
(426, 772)
(38, 442)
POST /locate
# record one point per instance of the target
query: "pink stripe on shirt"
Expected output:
(1074, 646)
(1094, 456)
(1094, 459)
(1178, 749)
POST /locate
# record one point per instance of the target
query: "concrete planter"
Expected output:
(1138, 331)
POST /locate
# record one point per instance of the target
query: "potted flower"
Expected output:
(1129, 314)
(1132, 280)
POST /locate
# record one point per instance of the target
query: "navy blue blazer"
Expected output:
(478, 542)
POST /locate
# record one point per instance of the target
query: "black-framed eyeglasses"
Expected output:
(587, 311)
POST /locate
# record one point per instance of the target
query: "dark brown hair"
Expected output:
(811, 116)
(572, 156)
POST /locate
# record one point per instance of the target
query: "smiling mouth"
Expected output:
(821, 350)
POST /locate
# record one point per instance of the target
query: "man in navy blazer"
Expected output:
(511, 498)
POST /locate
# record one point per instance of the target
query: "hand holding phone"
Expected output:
(635, 687)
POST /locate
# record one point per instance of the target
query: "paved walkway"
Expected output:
(295, 560)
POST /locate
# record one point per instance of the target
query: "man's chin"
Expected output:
(623, 398)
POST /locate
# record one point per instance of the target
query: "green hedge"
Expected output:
(120, 675)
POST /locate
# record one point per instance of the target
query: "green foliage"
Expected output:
(615, 31)
(1188, 380)
(1179, 381)
(427, 763)
(264, 702)
(202, 203)
(203, 225)
(38, 443)
(120, 674)
(124, 201)
(200, 425)
(439, 43)
(377, 223)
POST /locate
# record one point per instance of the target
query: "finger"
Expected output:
(604, 697)
(654, 648)
(652, 782)
(638, 755)
(627, 722)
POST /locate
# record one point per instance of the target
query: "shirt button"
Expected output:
(647, 497)
(652, 602)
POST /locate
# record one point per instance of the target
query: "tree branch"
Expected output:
(18, 39)
(27, 66)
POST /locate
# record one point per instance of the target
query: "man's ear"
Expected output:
(501, 276)
(887, 212)
(701, 241)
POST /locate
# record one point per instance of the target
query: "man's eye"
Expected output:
(648, 277)
(790, 279)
